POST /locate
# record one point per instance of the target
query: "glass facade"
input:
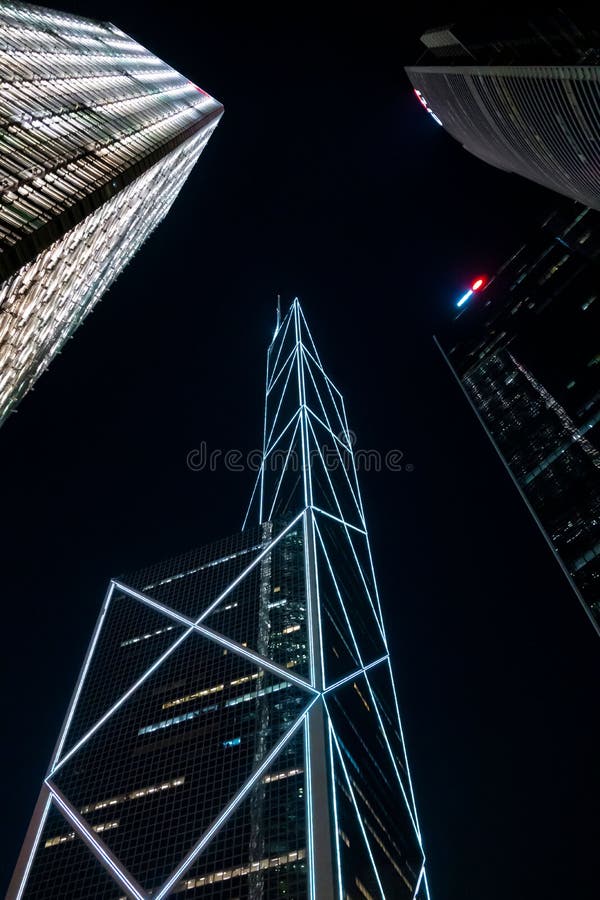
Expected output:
(234, 733)
(98, 137)
(521, 94)
(525, 351)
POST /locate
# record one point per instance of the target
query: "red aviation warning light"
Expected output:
(479, 283)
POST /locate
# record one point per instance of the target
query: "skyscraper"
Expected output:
(234, 731)
(524, 349)
(98, 137)
(522, 94)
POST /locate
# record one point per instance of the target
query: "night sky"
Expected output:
(325, 179)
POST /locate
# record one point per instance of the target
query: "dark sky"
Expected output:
(326, 180)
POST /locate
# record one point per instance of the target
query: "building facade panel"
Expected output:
(98, 137)
(541, 122)
(234, 733)
(525, 352)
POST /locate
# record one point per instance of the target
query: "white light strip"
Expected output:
(281, 343)
(339, 521)
(306, 473)
(218, 638)
(339, 596)
(34, 847)
(358, 815)
(97, 846)
(345, 444)
(335, 814)
(233, 803)
(249, 568)
(351, 545)
(281, 371)
(382, 728)
(281, 434)
(284, 470)
(310, 843)
(313, 554)
(82, 676)
(256, 484)
(355, 674)
(421, 873)
(399, 720)
(341, 461)
(174, 646)
(283, 393)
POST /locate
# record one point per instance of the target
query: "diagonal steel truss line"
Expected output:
(34, 847)
(284, 470)
(282, 369)
(285, 326)
(410, 808)
(328, 427)
(339, 404)
(310, 362)
(306, 467)
(337, 442)
(218, 638)
(234, 803)
(281, 398)
(323, 512)
(103, 854)
(358, 566)
(190, 629)
(355, 804)
(82, 676)
(399, 721)
(276, 440)
(339, 595)
(307, 360)
(355, 674)
(335, 813)
(419, 880)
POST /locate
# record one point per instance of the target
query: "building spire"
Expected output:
(278, 312)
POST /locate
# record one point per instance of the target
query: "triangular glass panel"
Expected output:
(191, 582)
(321, 400)
(378, 793)
(283, 344)
(283, 483)
(282, 404)
(380, 684)
(340, 654)
(64, 866)
(260, 851)
(356, 868)
(179, 748)
(330, 473)
(266, 611)
(338, 548)
(132, 637)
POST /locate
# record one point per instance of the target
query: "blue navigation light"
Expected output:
(464, 298)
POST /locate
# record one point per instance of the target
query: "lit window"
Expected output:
(203, 693)
(232, 742)
(280, 776)
(364, 702)
(274, 862)
(64, 838)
